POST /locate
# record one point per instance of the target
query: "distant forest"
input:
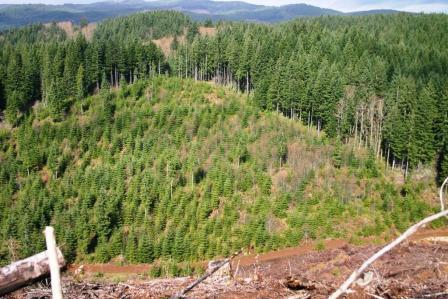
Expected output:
(111, 138)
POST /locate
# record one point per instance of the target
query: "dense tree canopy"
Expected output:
(100, 138)
(173, 169)
(379, 79)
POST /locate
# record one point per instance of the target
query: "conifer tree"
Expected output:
(80, 83)
(145, 252)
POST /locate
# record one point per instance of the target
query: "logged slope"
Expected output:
(172, 169)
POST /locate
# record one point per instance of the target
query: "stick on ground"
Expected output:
(344, 287)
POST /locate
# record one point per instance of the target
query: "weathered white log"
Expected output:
(55, 274)
(344, 287)
(25, 271)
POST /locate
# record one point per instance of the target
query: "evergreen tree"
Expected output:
(145, 252)
(80, 83)
(56, 99)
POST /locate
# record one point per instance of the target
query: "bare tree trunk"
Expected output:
(309, 119)
(318, 127)
(186, 62)
(361, 135)
(247, 82)
(52, 253)
(442, 205)
(205, 71)
(388, 153)
(407, 168)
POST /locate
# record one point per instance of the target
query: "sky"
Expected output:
(346, 6)
(357, 5)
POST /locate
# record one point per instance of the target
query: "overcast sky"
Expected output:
(347, 5)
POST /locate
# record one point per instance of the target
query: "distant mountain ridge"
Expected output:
(22, 14)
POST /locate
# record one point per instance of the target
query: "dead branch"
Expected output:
(301, 296)
(182, 293)
(436, 294)
(344, 287)
(374, 296)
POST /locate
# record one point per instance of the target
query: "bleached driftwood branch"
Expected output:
(344, 287)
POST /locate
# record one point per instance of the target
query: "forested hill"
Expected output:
(24, 14)
(172, 170)
(379, 79)
(113, 141)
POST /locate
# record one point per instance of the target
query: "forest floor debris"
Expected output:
(415, 269)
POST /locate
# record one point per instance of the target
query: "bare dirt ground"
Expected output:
(72, 31)
(416, 269)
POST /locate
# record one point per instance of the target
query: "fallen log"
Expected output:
(23, 272)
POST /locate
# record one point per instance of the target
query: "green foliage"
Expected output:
(356, 88)
(123, 174)
(337, 155)
(370, 167)
(167, 169)
(136, 196)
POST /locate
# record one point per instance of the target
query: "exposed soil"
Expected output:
(207, 31)
(246, 260)
(416, 269)
(72, 31)
(164, 44)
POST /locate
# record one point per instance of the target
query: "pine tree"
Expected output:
(13, 101)
(131, 248)
(400, 122)
(424, 125)
(145, 251)
(337, 155)
(56, 100)
(80, 83)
